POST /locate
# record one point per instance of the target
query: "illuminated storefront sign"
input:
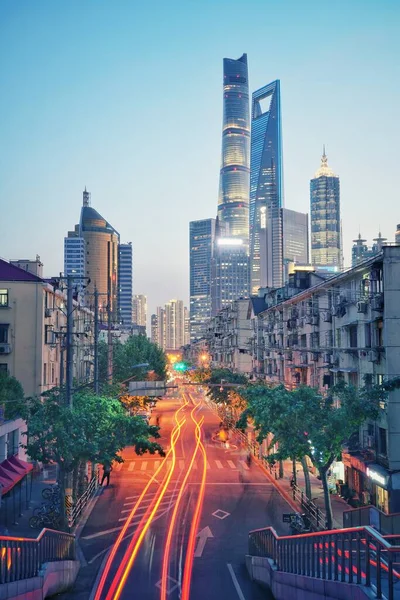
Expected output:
(377, 477)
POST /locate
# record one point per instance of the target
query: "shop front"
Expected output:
(380, 480)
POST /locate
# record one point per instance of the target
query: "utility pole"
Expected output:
(70, 321)
(96, 341)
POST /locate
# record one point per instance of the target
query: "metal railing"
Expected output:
(21, 558)
(314, 513)
(357, 555)
(78, 506)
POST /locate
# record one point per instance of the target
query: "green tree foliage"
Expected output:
(306, 423)
(96, 429)
(11, 395)
(217, 376)
(136, 350)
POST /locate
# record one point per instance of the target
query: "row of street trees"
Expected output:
(303, 423)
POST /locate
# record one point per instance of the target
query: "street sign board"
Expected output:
(147, 388)
(287, 517)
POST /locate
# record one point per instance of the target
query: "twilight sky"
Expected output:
(125, 97)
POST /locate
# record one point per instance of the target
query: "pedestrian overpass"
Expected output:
(354, 563)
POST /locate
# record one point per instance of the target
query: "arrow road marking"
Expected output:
(203, 535)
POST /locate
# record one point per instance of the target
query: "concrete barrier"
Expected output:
(287, 585)
(54, 578)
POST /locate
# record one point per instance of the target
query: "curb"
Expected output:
(86, 513)
(283, 493)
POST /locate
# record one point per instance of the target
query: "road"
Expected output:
(177, 528)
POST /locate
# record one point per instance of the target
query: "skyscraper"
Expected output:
(233, 201)
(230, 272)
(174, 325)
(160, 324)
(326, 243)
(97, 241)
(125, 284)
(154, 329)
(295, 236)
(139, 310)
(266, 189)
(201, 247)
(74, 258)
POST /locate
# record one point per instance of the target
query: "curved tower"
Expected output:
(234, 183)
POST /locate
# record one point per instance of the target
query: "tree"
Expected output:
(305, 422)
(219, 377)
(11, 395)
(136, 350)
(95, 429)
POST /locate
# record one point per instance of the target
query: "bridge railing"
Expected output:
(21, 558)
(355, 555)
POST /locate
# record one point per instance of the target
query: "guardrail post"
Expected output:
(390, 576)
(350, 538)
(367, 561)
(358, 556)
(378, 571)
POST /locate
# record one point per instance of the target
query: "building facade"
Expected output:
(75, 259)
(295, 237)
(201, 248)
(230, 272)
(140, 310)
(174, 325)
(266, 189)
(33, 331)
(229, 338)
(233, 201)
(346, 328)
(125, 285)
(326, 239)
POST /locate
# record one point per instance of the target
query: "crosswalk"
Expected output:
(132, 466)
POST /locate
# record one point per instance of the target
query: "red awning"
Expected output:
(12, 470)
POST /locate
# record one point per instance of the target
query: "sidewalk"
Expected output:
(339, 506)
(22, 502)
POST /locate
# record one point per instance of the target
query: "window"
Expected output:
(382, 441)
(45, 374)
(3, 298)
(3, 367)
(4, 334)
(353, 336)
(49, 335)
(367, 333)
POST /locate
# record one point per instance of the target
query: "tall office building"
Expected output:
(230, 272)
(201, 247)
(186, 332)
(174, 325)
(233, 201)
(94, 243)
(74, 259)
(160, 337)
(326, 242)
(125, 284)
(295, 236)
(139, 310)
(266, 189)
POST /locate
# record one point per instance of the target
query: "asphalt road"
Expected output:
(186, 519)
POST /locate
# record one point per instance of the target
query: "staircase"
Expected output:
(344, 563)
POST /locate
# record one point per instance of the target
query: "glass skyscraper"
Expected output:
(201, 244)
(266, 189)
(233, 201)
(326, 245)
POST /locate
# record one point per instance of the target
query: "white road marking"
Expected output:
(156, 464)
(144, 466)
(131, 466)
(182, 464)
(231, 464)
(127, 510)
(244, 465)
(220, 514)
(203, 536)
(235, 582)
(118, 466)
(219, 464)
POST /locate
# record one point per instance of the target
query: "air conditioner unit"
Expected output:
(315, 320)
(373, 356)
(47, 312)
(362, 307)
(377, 302)
(315, 356)
(5, 348)
(289, 356)
(334, 359)
(308, 319)
(327, 317)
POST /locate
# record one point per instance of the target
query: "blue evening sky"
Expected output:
(125, 97)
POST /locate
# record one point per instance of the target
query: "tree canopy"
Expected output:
(11, 394)
(218, 377)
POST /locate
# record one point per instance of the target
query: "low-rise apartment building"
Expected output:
(229, 338)
(33, 331)
(346, 327)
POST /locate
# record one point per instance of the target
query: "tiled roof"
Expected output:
(9, 272)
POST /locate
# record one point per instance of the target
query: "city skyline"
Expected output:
(91, 94)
